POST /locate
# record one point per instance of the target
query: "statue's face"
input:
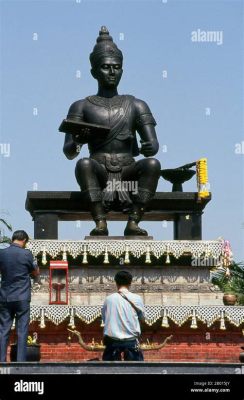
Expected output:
(109, 72)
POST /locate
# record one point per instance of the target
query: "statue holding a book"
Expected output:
(108, 122)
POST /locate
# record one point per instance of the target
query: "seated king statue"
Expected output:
(111, 162)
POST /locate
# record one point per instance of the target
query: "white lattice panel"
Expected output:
(177, 248)
(178, 314)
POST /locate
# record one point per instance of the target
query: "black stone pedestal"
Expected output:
(188, 227)
(45, 226)
(185, 209)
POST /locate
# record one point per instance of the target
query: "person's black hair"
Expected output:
(20, 235)
(123, 278)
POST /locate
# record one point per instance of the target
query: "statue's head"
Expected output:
(106, 60)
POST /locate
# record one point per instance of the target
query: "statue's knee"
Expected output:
(153, 164)
(83, 169)
(83, 164)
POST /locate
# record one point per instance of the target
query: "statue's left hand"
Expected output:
(148, 149)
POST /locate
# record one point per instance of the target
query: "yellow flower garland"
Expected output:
(202, 178)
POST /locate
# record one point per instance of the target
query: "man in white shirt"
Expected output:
(121, 314)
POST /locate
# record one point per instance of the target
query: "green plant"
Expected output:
(3, 238)
(230, 280)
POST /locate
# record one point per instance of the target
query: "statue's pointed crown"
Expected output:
(105, 47)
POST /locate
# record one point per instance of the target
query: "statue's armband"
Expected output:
(145, 119)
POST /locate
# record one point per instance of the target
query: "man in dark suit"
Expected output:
(16, 266)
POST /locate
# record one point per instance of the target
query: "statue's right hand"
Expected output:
(80, 139)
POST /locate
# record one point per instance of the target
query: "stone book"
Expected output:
(82, 129)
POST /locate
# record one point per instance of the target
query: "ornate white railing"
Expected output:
(125, 248)
(178, 314)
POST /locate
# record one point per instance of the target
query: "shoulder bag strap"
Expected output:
(132, 304)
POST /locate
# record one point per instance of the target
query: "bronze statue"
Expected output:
(110, 177)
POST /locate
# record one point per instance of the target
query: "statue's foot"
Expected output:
(99, 232)
(100, 229)
(132, 229)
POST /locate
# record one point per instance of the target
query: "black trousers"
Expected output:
(20, 310)
(130, 349)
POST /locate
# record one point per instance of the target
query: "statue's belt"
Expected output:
(114, 162)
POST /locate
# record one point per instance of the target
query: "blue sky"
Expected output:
(198, 107)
